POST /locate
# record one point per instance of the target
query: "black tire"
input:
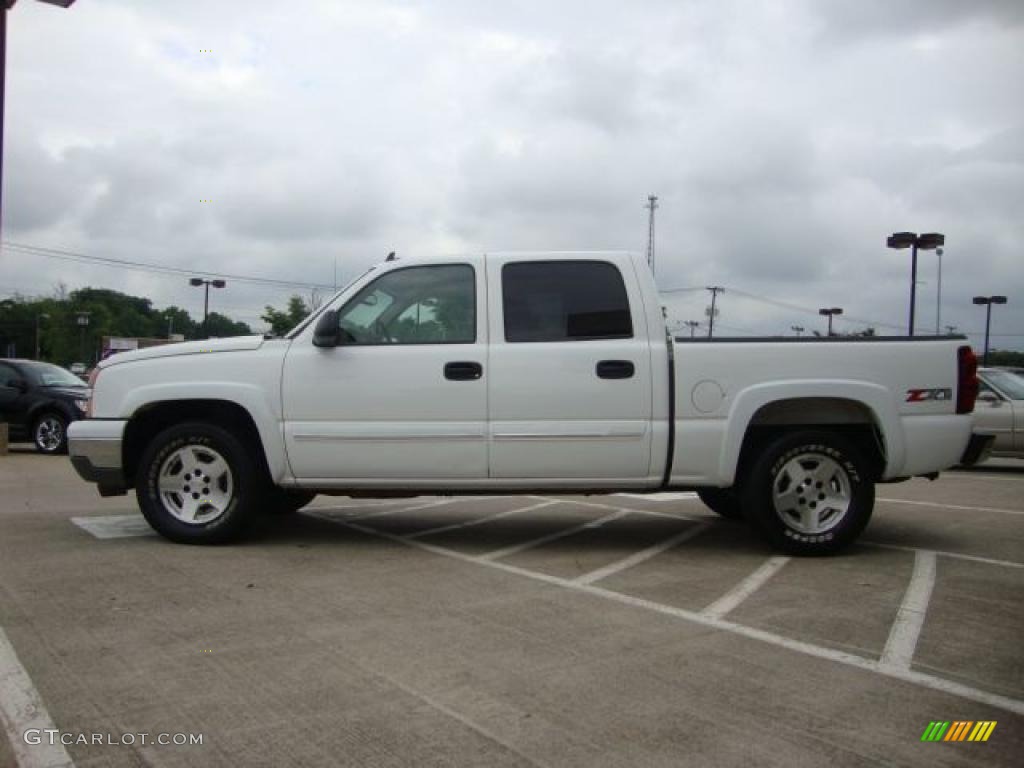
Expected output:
(286, 501)
(50, 433)
(724, 501)
(220, 516)
(796, 474)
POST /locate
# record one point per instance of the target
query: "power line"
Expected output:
(142, 266)
(807, 310)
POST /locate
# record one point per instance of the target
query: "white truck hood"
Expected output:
(233, 344)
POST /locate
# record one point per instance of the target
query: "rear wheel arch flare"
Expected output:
(853, 419)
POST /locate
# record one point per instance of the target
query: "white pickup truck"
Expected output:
(523, 373)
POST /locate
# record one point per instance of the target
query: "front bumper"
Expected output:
(978, 449)
(94, 446)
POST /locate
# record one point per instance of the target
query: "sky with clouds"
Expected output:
(784, 138)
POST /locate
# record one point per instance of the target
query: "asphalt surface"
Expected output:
(577, 631)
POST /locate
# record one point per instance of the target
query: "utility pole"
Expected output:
(693, 325)
(652, 206)
(711, 311)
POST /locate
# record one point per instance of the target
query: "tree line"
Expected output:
(54, 324)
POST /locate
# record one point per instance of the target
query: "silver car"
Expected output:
(1000, 410)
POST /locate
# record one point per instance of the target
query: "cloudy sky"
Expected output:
(784, 138)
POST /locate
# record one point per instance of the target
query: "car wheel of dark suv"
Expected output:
(50, 433)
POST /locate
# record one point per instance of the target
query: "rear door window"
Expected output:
(564, 301)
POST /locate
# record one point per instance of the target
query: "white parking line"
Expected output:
(731, 599)
(840, 657)
(115, 526)
(664, 496)
(22, 708)
(639, 511)
(399, 510)
(478, 521)
(899, 648)
(954, 506)
(644, 554)
(540, 540)
(957, 555)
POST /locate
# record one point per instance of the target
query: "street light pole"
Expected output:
(197, 281)
(830, 312)
(40, 316)
(926, 242)
(83, 323)
(988, 301)
(938, 295)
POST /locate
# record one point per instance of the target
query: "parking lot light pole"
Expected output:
(830, 312)
(83, 324)
(197, 281)
(40, 316)
(926, 242)
(988, 301)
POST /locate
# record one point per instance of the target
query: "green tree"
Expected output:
(1005, 357)
(177, 320)
(219, 326)
(282, 322)
(110, 313)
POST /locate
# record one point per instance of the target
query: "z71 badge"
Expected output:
(925, 395)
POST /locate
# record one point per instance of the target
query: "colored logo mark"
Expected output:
(958, 730)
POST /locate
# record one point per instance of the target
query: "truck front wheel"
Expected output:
(810, 493)
(197, 484)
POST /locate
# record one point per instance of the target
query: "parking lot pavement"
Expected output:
(616, 630)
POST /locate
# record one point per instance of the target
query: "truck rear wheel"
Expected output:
(197, 484)
(724, 501)
(810, 493)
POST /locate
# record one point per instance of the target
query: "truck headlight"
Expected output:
(82, 405)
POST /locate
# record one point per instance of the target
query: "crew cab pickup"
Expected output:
(523, 373)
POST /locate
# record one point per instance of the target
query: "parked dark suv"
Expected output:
(38, 400)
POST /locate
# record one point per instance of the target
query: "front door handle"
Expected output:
(463, 371)
(615, 369)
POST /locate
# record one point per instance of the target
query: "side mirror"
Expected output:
(326, 332)
(989, 397)
(18, 384)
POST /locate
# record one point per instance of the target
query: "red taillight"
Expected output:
(966, 380)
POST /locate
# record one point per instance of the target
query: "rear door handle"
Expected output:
(463, 371)
(615, 369)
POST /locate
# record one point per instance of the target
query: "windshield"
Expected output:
(48, 375)
(1010, 384)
